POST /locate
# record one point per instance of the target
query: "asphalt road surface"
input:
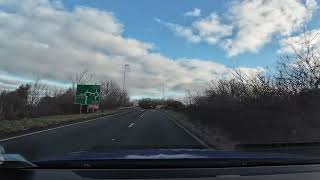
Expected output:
(137, 129)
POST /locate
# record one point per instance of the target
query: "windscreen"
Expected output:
(94, 76)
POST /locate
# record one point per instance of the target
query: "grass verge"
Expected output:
(214, 137)
(230, 128)
(15, 127)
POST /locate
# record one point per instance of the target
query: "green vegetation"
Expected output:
(212, 136)
(277, 106)
(35, 106)
(36, 100)
(148, 103)
(11, 127)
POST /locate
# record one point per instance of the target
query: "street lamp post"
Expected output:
(126, 67)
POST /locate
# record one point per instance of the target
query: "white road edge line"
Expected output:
(187, 131)
(131, 125)
(37, 132)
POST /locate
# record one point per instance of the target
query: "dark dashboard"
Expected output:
(264, 172)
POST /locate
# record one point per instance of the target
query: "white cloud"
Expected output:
(40, 37)
(251, 24)
(194, 13)
(181, 31)
(258, 21)
(209, 30)
(297, 43)
(8, 82)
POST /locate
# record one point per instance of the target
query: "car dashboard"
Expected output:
(260, 173)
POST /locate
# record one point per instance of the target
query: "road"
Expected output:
(135, 130)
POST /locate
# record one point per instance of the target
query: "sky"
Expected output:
(182, 44)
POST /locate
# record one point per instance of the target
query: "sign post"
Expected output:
(87, 95)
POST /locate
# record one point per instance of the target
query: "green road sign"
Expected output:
(87, 94)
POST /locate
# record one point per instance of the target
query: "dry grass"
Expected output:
(225, 127)
(212, 136)
(10, 127)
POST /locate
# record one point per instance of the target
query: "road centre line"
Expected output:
(131, 125)
(141, 115)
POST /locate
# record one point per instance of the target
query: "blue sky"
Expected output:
(183, 43)
(138, 18)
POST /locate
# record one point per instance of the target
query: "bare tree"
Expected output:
(37, 91)
(83, 77)
(112, 95)
(301, 70)
(104, 88)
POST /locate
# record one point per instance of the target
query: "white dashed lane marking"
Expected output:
(131, 125)
(141, 116)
